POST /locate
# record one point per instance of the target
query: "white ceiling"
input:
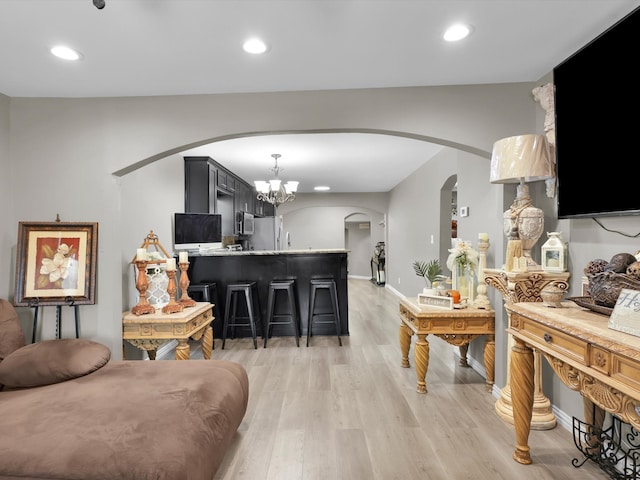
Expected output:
(180, 47)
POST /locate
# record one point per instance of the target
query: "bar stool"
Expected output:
(328, 285)
(206, 292)
(286, 286)
(249, 292)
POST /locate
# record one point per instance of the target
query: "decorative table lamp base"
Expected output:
(482, 301)
(142, 284)
(172, 306)
(185, 300)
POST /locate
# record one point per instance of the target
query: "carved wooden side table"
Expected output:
(457, 327)
(518, 287)
(148, 332)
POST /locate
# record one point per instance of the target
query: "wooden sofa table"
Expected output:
(588, 356)
(457, 327)
(149, 331)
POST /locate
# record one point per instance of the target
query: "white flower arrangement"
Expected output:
(464, 256)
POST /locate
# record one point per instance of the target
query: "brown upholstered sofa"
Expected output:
(67, 411)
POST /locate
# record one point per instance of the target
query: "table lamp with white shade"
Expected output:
(520, 159)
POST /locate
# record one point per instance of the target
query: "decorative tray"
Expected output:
(587, 302)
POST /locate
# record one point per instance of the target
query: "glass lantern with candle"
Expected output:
(554, 253)
(158, 281)
(156, 256)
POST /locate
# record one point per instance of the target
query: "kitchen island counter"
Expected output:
(226, 252)
(226, 266)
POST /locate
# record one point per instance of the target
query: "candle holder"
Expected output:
(142, 284)
(172, 306)
(482, 301)
(185, 300)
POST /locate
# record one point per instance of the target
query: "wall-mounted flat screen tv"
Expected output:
(197, 231)
(597, 94)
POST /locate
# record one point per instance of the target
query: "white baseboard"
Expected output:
(394, 291)
(358, 277)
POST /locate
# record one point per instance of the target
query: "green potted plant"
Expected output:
(431, 271)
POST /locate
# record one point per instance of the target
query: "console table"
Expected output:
(457, 327)
(149, 331)
(589, 357)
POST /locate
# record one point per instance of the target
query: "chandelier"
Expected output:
(274, 191)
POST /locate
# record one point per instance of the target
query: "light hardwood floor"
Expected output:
(352, 412)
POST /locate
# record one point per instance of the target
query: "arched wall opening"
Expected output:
(357, 239)
(181, 148)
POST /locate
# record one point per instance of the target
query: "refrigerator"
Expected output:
(268, 234)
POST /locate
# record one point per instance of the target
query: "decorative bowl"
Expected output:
(604, 288)
(552, 296)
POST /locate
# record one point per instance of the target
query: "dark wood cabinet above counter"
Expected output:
(209, 186)
(225, 180)
(200, 177)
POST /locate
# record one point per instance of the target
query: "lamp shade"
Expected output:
(522, 158)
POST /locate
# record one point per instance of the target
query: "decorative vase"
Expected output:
(429, 291)
(552, 295)
(463, 281)
(158, 281)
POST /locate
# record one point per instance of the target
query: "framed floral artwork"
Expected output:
(56, 263)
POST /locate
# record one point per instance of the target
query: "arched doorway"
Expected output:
(357, 239)
(448, 216)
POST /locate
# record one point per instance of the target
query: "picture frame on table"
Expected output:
(56, 263)
(626, 312)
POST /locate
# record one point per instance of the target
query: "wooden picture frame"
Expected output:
(626, 313)
(437, 301)
(56, 263)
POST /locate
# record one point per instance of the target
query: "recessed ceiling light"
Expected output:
(457, 32)
(254, 45)
(65, 53)
(321, 188)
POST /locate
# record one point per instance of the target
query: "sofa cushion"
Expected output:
(52, 361)
(11, 334)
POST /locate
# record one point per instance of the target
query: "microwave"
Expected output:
(244, 223)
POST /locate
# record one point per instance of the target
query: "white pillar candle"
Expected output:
(141, 254)
(184, 257)
(483, 236)
(171, 263)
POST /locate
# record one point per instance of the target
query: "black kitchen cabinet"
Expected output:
(226, 181)
(199, 185)
(206, 181)
(244, 197)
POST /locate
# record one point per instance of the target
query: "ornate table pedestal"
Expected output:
(525, 287)
(588, 357)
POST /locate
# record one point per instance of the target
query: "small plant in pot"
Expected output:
(431, 271)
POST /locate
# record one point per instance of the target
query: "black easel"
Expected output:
(34, 303)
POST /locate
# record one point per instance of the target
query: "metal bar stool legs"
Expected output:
(249, 291)
(317, 318)
(285, 318)
(206, 292)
